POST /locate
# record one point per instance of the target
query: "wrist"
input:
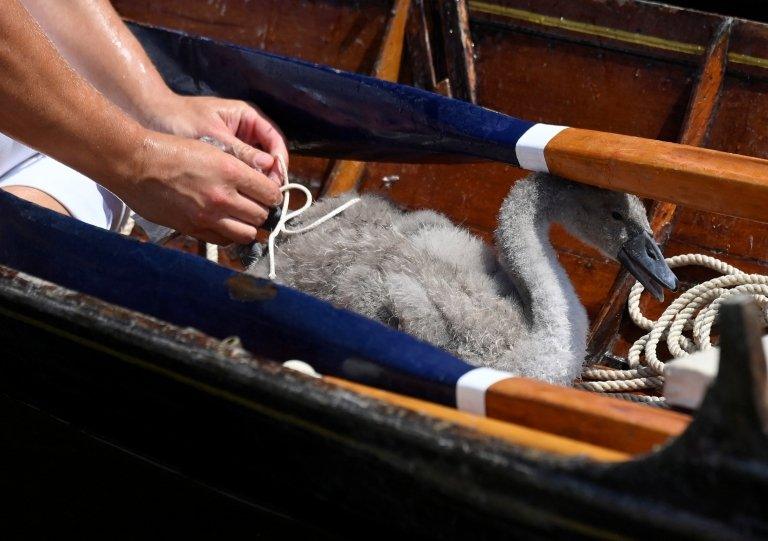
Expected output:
(159, 112)
(128, 164)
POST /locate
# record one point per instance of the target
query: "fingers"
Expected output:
(246, 153)
(256, 127)
(228, 230)
(213, 238)
(249, 211)
(235, 230)
(234, 213)
(256, 186)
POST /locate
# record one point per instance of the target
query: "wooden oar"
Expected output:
(580, 415)
(327, 112)
(695, 177)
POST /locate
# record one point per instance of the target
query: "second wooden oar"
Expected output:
(328, 112)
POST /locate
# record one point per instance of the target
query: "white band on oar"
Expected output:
(471, 388)
(530, 146)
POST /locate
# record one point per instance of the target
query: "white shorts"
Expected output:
(83, 198)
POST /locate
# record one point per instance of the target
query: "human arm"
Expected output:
(115, 63)
(184, 184)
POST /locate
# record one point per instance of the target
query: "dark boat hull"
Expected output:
(144, 411)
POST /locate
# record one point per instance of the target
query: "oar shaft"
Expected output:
(583, 416)
(579, 415)
(694, 177)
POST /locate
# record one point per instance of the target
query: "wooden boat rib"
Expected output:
(698, 81)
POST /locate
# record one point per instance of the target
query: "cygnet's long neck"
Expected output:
(557, 320)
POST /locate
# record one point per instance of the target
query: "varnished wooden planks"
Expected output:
(327, 32)
(705, 99)
(599, 420)
(509, 432)
(419, 46)
(701, 111)
(458, 48)
(391, 53)
(636, 27)
(346, 174)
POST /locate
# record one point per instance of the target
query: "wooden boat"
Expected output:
(104, 373)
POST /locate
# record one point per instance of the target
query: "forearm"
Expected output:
(92, 37)
(47, 105)
(181, 183)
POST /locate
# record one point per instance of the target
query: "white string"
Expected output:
(286, 215)
(212, 252)
(695, 311)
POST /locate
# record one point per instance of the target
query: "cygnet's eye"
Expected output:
(617, 215)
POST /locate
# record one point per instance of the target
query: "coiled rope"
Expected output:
(695, 311)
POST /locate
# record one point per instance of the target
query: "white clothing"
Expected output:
(83, 198)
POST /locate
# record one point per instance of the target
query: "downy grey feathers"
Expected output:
(513, 309)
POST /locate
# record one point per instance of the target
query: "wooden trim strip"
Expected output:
(699, 117)
(391, 53)
(706, 95)
(623, 36)
(511, 433)
(418, 40)
(586, 28)
(579, 415)
(748, 60)
(458, 47)
(346, 174)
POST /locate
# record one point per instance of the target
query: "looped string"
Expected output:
(695, 311)
(286, 215)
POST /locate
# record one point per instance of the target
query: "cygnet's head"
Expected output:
(616, 224)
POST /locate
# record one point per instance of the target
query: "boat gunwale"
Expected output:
(487, 466)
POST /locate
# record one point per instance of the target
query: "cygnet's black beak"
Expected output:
(641, 256)
(274, 216)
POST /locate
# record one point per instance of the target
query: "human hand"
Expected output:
(248, 134)
(196, 189)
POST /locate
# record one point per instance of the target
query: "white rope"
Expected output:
(286, 215)
(695, 311)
